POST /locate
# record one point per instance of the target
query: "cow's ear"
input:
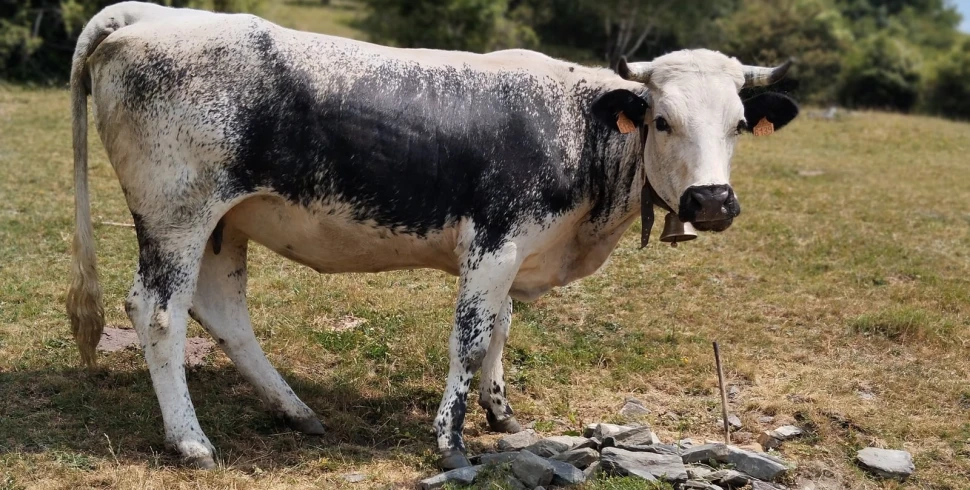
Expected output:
(778, 109)
(609, 107)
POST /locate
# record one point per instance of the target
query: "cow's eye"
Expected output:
(742, 126)
(662, 124)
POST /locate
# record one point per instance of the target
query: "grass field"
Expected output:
(846, 275)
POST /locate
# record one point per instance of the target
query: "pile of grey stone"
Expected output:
(527, 461)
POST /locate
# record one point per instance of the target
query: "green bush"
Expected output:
(881, 73)
(947, 91)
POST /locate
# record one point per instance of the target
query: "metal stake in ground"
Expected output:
(720, 384)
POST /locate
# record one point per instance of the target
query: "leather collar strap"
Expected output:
(648, 196)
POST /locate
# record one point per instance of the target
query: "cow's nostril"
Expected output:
(721, 196)
(697, 198)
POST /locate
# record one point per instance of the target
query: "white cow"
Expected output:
(515, 171)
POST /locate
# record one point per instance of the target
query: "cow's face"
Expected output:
(693, 117)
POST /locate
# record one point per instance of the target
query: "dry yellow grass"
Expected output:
(846, 273)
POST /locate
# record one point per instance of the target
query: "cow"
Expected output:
(512, 170)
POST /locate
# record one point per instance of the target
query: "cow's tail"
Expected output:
(84, 304)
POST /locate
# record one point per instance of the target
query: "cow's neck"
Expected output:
(614, 181)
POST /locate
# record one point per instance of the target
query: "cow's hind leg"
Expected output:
(486, 277)
(491, 395)
(219, 305)
(158, 304)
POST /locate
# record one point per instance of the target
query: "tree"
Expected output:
(606, 30)
(766, 32)
(37, 37)
(469, 25)
(948, 85)
(882, 72)
(630, 24)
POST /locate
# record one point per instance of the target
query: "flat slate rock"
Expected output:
(638, 436)
(699, 485)
(518, 441)
(633, 409)
(565, 474)
(658, 466)
(763, 485)
(728, 478)
(886, 463)
(580, 458)
(652, 448)
(495, 458)
(753, 464)
(462, 476)
(773, 438)
(591, 471)
(786, 432)
(552, 446)
(602, 431)
(532, 470)
(699, 471)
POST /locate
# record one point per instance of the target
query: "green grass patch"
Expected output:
(904, 324)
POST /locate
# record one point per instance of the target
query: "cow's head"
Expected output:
(692, 116)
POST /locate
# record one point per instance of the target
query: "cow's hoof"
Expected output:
(201, 462)
(308, 425)
(507, 425)
(195, 453)
(452, 460)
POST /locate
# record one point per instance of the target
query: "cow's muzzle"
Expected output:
(709, 207)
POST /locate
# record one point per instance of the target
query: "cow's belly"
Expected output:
(326, 239)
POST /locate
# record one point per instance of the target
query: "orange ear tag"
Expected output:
(763, 128)
(625, 124)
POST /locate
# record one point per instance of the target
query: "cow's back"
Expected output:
(412, 138)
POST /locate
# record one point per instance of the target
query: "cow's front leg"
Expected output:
(491, 394)
(486, 277)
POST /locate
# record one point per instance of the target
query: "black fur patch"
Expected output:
(415, 149)
(158, 268)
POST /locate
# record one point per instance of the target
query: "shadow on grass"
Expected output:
(113, 414)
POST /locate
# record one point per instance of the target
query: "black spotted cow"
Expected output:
(512, 170)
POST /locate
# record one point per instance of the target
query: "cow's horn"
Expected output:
(757, 76)
(638, 72)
